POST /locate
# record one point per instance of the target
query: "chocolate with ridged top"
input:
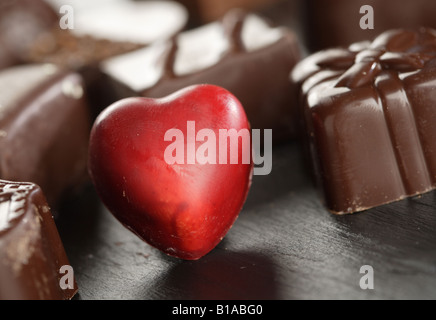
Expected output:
(31, 251)
(369, 112)
(242, 53)
(44, 128)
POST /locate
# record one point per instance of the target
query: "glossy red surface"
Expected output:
(184, 210)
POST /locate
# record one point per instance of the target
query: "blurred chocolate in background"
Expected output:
(203, 11)
(21, 21)
(331, 23)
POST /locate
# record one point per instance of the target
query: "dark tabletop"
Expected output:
(284, 245)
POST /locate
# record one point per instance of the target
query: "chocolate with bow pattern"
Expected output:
(369, 113)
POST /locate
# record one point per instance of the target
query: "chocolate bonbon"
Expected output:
(241, 53)
(44, 128)
(31, 251)
(331, 23)
(369, 114)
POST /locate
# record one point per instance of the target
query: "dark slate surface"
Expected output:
(283, 246)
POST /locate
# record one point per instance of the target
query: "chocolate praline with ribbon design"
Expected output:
(369, 114)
